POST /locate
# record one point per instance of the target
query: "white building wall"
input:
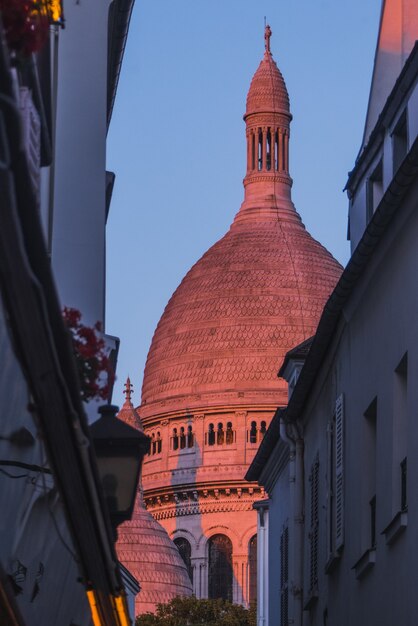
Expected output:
(78, 221)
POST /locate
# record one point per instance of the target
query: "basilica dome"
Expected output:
(258, 291)
(210, 386)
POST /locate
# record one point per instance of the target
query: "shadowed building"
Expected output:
(210, 386)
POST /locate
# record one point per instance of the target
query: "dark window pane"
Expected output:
(220, 567)
(252, 561)
(185, 549)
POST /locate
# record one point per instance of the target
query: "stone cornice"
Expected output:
(203, 501)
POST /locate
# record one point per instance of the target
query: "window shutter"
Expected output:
(314, 533)
(339, 472)
(284, 577)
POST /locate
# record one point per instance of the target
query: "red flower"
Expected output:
(93, 364)
(25, 24)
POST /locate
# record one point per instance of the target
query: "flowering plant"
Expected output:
(89, 351)
(25, 24)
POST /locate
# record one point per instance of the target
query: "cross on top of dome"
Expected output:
(129, 389)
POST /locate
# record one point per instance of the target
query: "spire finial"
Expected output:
(267, 35)
(129, 389)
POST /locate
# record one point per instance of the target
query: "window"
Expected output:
(270, 150)
(374, 190)
(263, 429)
(369, 475)
(158, 443)
(153, 444)
(220, 435)
(229, 434)
(253, 432)
(182, 438)
(190, 437)
(400, 142)
(335, 509)
(211, 435)
(185, 549)
(314, 526)
(175, 439)
(284, 577)
(220, 567)
(252, 564)
(400, 436)
(404, 497)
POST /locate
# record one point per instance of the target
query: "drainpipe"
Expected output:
(290, 434)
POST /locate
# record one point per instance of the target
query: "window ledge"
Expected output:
(182, 451)
(333, 559)
(312, 599)
(396, 527)
(365, 563)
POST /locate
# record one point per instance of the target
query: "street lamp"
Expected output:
(120, 450)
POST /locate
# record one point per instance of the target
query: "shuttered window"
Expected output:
(339, 472)
(284, 577)
(314, 525)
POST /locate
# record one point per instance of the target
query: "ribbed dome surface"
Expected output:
(268, 92)
(255, 294)
(145, 548)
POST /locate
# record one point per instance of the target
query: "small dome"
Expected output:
(146, 550)
(268, 92)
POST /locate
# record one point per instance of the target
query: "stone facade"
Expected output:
(210, 386)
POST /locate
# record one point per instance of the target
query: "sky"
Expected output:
(177, 139)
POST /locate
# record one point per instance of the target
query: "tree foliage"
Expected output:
(194, 612)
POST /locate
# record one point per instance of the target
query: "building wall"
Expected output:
(381, 149)
(77, 178)
(380, 328)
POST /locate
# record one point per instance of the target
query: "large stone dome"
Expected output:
(256, 293)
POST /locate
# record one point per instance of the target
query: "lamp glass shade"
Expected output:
(119, 478)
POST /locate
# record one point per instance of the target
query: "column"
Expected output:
(240, 583)
(280, 149)
(286, 151)
(199, 568)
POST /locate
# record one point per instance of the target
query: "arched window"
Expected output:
(263, 429)
(182, 438)
(159, 444)
(185, 549)
(175, 439)
(253, 432)
(269, 151)
(220, 567)
(190, 438)
(252, 564)
(229, 438)
(260, 150)
(211, 435)
(220, 434)
(153, 443)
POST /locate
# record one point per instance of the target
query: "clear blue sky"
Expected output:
(177, 138)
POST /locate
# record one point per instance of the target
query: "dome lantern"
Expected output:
(267, 119)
